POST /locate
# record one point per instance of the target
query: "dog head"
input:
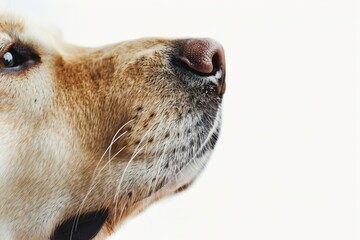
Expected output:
(91, 136)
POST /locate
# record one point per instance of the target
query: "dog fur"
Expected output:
(83, 129)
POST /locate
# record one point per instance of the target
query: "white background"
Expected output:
(285, 167)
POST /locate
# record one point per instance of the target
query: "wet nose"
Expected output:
(205, 57)
(202, 55)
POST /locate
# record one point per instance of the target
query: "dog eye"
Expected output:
(8, 60)
(18, 57)
(12, 59)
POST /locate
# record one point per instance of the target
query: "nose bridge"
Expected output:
(142, 45)
(148, 51)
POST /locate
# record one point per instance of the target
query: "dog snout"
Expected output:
(204, 57)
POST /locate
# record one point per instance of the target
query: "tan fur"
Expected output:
(58, 118)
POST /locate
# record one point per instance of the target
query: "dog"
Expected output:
(92, 136)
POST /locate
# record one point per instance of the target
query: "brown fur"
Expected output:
(64, 112)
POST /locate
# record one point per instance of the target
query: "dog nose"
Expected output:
(205, 57)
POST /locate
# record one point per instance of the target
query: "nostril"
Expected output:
(203, 56)
(216, 63)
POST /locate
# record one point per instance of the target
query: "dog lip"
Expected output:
(184, 187)
(81, 227)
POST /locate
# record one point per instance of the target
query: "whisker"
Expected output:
(158, 166)
(203, 145)
(135, 153)
(95, 176)
(115, 138)
(122, 178)
(206, 140)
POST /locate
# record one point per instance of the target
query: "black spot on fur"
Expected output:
(162, 183)
(179, 116)
(213, 140)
